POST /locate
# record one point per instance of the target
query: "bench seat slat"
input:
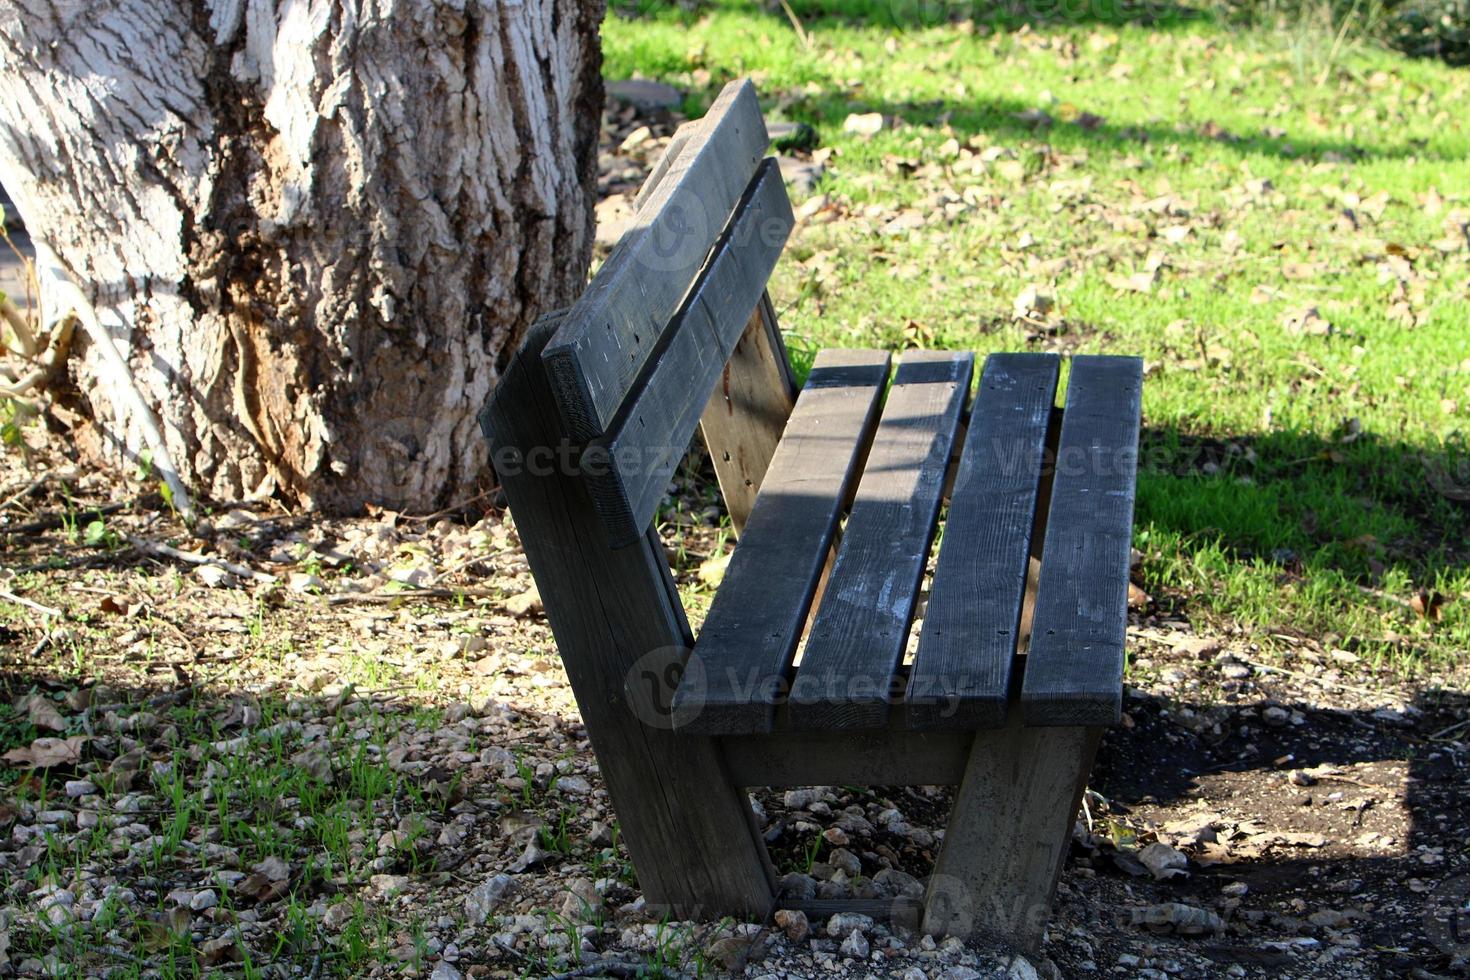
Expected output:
(962, 668)
(628, 471)
(861, 628)
(743, 653)
(615, 325)
(1074, 668)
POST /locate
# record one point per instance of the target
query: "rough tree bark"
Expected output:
(311, 226)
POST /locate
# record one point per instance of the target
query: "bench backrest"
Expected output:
(634, 361)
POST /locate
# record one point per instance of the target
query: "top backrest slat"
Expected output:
(610, 332)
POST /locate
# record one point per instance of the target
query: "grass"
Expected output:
(1292, 483)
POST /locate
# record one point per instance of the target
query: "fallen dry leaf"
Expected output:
(44, 753)
(41, 712)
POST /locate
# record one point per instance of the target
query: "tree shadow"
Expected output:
(1361, 813)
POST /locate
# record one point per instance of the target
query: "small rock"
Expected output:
(844, 923)
(480, 903)
(207, 899)
(800, 799)
(525, 605)
(1163, 861)
(863, 123)
(599, 834)
(573, 785)
(795, 924)
(386, 886)
(845, 861)
(1031, 301)
(303, 582)
(891, 881)
(728, 952)
(445, 971)
(80, 787)
(636, 139)
(798, 886)
(214, 576)
(1236, 889)
(580, 903)
(855, 945)
(1186, 920)
(1275, 716)
(532, 856)
(1020, 968)
(337, 916)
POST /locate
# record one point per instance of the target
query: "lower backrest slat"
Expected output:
(743, 653)
(1074, 668)
(628, 470)
(962, 668)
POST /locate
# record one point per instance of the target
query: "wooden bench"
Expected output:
(1019, 657)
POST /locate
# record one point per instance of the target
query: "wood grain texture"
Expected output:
(615, 326)
(629, 469)
(1008, 833)
(740, 664)
(962, 668)
(891, 757)
(745, 416)
(846, 679)
(615, 614)
(1074, 667)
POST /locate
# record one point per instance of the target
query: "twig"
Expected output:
(370, 598)
(451, 509)
(619, 969)
(52, 522)
(9, 596)
(194, 558)
(1308, 677)
(802, 35)
(99, 336)
(1445, 731)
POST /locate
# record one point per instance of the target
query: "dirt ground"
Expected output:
(1296, 814)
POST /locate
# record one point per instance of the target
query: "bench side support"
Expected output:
(1008, 832)
(618, 624)
(747, 411)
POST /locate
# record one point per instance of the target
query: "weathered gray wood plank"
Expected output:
(629, 469)
(745, 416)
(615, 618)
(893, 756)
(1074, 667)
(962, 668)
(1008, 833)
(616, 324)
(846, 678)
(745, 647)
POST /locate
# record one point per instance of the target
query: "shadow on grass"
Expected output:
(915, 15)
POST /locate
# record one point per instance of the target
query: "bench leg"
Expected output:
(1008, 833)
(617, 621)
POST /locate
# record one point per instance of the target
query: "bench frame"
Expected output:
(681, 797)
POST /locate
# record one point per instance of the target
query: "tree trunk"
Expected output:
(311, 227)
